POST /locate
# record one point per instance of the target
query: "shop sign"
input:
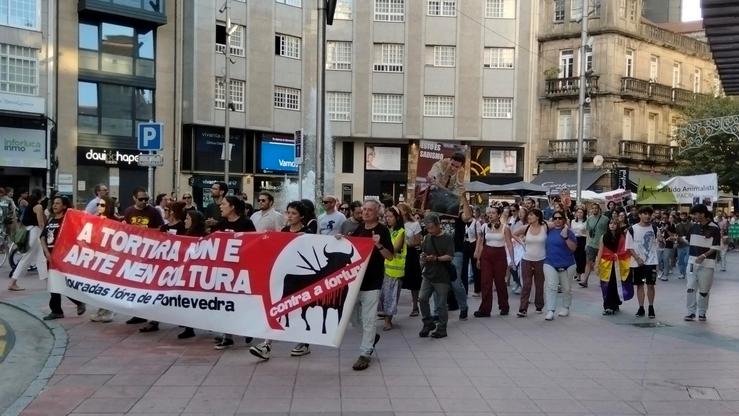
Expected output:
(23, 148)
(22, 103)
(107, 157)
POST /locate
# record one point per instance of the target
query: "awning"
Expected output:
(516, 188)
(721, 21)
(636, 176)
(561, 179)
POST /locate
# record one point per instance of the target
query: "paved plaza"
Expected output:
(585, 364)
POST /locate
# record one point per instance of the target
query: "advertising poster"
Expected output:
(433, 160)
(382, 158)
(273, 285)
(503, 161)
(697, 189)
(278, 155)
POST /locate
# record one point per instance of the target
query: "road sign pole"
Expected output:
(150, 179)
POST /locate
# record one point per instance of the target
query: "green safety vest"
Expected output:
(395, 268)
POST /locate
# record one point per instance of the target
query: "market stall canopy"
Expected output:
(567, 179)
(517, 188)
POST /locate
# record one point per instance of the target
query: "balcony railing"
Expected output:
(567, 149)
(660, 153)
(649, 90)
(565, 87)
(675, 40)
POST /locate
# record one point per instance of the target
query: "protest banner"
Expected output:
(697, 189)
(274, 285)
(440, 200)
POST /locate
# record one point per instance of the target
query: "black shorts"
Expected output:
(644, 274)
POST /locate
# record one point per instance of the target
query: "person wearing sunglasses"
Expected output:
(344, 209)
(559, 265)
(329, 223)
(189, 205)
(267, 218)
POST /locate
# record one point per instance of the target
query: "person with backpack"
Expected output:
(641, 241)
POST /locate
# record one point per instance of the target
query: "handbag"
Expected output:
(449, 265)
(20, 238)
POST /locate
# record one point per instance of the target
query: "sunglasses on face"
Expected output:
(262, 200)
(187, 197)
(327, 202)
(101, 205)
(558, 218)
(143, 199)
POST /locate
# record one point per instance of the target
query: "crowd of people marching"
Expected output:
(506, 252)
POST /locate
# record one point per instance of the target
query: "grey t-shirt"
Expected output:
(348, 227)
(329, 224)
(437, 271)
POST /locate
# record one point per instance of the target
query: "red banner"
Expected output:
(242, 283)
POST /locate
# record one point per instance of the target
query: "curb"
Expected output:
(52, 362)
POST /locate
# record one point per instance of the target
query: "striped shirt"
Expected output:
(703, 238)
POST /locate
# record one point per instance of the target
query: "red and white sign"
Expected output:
(280, 286)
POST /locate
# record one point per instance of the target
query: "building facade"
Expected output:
(26, 80)
(116, 68)
(398, 72)
(640, 76)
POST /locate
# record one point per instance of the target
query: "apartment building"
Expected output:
(26, 63)
(398, 72)
(116, 68)
(639, 76)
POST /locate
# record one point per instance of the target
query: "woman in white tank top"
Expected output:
(579, 227)
(491, 253)
(534, 238)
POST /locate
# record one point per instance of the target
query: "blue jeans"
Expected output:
(682, 259)
(457, 287)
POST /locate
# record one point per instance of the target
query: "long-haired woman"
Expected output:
(519, 222)
(394, 269)
(194, 227)
(310, 216)
(492, 251)
(580, 228)
(412, 276)
(34, 221)
(613, 265)
(533, 237)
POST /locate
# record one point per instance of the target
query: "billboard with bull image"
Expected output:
(281, 286)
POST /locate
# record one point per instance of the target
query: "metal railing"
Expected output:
(640, 88)
(569, 86)
(568, 148)
(675, 40)
(636, 150)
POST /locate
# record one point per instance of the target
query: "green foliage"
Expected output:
(719, 153)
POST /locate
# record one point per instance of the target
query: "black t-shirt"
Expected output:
(376, 268)
(51, 231)
(177, 229)
(241, 224)
(667, 231)
(454, 226)
(29, 217)
(148, 217)
(305, 229)
(213, 210)
(312, 226)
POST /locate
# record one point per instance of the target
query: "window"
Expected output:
(566, 63)
(627, 125)
(596, 8)
(498, 58)
(236, 40)
(287, 98)
(588, 58)
(697, 75)
(116, 49)
(438, 106)
(287, 46)
(237, 94)
(629, 63)
(19, 13)
(576, 9)
(339, 106)
(653, 68)
(296, 3)
(677, 69)
(500, 9)
(632, 10)
(390, 10)
(343, 10)
(674, 127)
(387, 108)
(559, 10)
(494, 107)
(444, 56)
(442, 8)
(564, 125)
(112, 110)
(587, 124)
(388, 57)
(652, 127)
(18, 69)
(622, 8)
(339, 55)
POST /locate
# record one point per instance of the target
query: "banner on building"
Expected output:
(697, 189)
(273, 285)
(433, 168)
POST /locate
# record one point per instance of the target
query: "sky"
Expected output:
(691, 10)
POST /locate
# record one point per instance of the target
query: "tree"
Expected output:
(719, 152)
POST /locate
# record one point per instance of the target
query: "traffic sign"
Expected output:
(150, 136)
(298, 146)
(151, 160)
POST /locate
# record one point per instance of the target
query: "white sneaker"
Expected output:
(550, 316)
(300, 350)
(263, 350)
(564, 312)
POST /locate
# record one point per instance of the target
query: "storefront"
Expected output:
(276, 167)
(23, 149)
(117, 168)
(496, 165)
(385, 170)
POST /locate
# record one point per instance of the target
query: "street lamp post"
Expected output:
(227, 88)
(320, 97)
(582, 103)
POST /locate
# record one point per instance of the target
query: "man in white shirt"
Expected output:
(641, 241)
(329, 223)
(100, 190)
(267, 218)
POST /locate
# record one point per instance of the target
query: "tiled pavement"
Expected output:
(585, 364)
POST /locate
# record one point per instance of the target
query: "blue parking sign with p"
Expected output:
(150, 136)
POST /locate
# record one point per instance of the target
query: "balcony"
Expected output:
(648, 90)
(641, 151)
(567, 149)
(151, 11)
(674, 40)
(568, 87)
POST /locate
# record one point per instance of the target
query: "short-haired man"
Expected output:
(596, 225)
(100, 190)
(365, 311)
(705, 242)
(354, 220)
(213, 211)
(437, 252)
(330, 222)
(529, 203)
(267, 218)
(448, 174)
(160, 204)
(641, 241)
